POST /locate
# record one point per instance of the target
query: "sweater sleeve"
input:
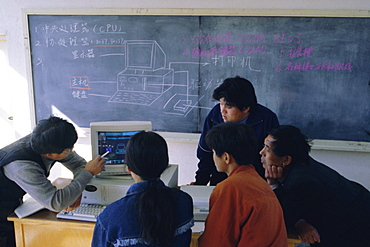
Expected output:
(74, 162)
(31, 178)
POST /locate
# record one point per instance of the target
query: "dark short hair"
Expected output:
(147, 155)
(237, 139)
(237, 92)
(53, 135)
(289, 141)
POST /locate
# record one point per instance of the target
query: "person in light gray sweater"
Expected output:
(25, 166)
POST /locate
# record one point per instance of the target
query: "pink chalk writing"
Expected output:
(286, 39)
(307, 66)
(227, 50)
(228, 38)
(294, 52)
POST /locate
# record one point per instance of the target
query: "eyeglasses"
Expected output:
(68, 150)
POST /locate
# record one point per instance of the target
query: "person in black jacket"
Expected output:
(238, 103)
(323, 206)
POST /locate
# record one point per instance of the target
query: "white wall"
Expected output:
(354, 165)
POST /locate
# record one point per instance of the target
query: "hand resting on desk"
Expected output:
(307, 232)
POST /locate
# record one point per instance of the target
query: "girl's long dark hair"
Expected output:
(147, 157)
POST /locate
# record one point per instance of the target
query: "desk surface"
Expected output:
(43, 229)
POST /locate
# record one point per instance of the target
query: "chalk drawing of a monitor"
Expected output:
(145, 77)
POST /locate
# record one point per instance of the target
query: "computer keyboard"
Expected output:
(85, 212)
(137, 98)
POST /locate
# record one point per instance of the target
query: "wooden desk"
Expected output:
(44, 229)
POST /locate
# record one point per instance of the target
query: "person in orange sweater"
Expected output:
(243, 209)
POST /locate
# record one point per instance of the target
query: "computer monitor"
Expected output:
(113, 137)
(144, 54)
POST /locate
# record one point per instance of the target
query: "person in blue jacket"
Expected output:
(151, 214)
(325, 208)
(238, 103)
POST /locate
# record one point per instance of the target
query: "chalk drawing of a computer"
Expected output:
(145, 77)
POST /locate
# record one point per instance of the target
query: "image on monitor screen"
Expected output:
(115, 143)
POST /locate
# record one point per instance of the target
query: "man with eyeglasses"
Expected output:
(25, 166)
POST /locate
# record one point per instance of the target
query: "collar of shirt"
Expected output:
(140, 186)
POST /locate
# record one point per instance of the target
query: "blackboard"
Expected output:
(313, 72)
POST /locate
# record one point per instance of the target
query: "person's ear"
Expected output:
(49, 156)
(226, 158)
(246, 110)
(287, 160)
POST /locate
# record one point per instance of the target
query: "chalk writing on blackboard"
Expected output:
(145, 77)
(165, 68)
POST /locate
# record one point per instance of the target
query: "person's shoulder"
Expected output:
(302, 174)
(304, 168)
(183, 195)
(315, 171)
(244, 175)
(115, 209)
(228, 184)
(232, 188)
(23, 165)
(214, 117)
(184, 204)
(263, 109)
(261, 112)
(244, 178)
(117, 204)
(214, 111)
(248, 183)
(216, 107)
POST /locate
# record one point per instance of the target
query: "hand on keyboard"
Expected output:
(75, 205)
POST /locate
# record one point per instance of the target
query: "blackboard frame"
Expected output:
(175, 12)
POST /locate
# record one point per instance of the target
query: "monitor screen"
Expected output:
(113, 137)
(114, 143)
